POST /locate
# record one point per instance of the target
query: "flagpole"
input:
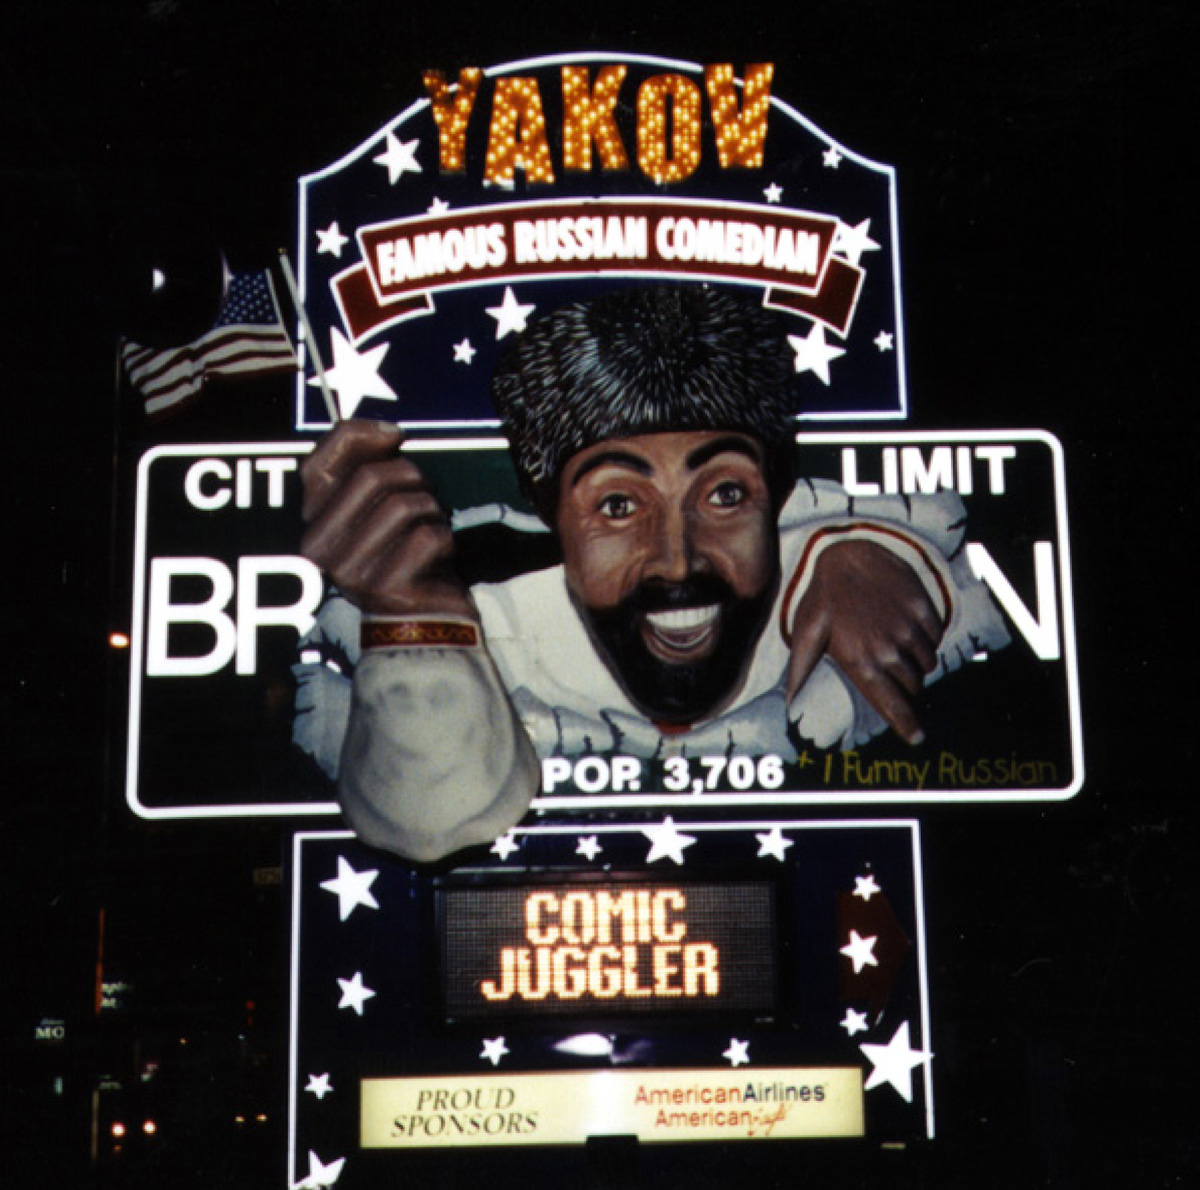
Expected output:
(311, 339)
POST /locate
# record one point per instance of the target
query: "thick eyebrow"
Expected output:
(621, 458)
(710, 450)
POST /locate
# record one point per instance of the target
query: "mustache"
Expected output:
(695, 591)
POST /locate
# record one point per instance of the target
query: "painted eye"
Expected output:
(617, 507)
(727, 495)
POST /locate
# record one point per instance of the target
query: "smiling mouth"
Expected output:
(682, 634)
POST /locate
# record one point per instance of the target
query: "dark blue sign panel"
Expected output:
(682, 981)
(502, 193)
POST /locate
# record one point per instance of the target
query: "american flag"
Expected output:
(247, 339)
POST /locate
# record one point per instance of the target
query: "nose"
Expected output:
(671, 556)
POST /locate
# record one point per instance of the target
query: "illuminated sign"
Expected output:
(517, 130)
(608, 948)
(498, 198)
(221, 597)
(113, 994)
(789, 253)
(239, 671)
(501, 192)
(50, 1029)
(653, 1105)
(808, 1013)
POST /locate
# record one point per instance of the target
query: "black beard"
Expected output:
(679, 693)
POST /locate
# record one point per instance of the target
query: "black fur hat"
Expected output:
(645, 361)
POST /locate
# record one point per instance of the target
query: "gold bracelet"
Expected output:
(390, 634)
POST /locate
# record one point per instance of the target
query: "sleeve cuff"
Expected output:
(400, 632)
(907, 547)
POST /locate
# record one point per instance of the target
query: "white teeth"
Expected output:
(685, 619)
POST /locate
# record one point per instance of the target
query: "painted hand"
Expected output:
(869, 612)
(375, 527)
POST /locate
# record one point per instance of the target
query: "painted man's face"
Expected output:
(672, 558)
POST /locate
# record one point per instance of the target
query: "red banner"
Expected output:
(787, 253)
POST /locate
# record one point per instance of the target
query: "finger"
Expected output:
(910, 623)
(396, 551)
(904, 669)
(889, 698)
(908, 632)
(416, 576)
(921, 648)
(338, 455)
(347, 517)
(928, 629)
(810, 636)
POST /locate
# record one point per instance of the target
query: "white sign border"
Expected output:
(663, 801)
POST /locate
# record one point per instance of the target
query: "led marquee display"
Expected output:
(605, 948)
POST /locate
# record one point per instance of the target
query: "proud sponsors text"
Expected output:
(569, 1107)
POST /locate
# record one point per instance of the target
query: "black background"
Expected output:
(1046, 212)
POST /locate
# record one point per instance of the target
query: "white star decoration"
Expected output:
(852, 242)
(355, 375)
(773, 193)
(398, 158)
(352, 888)
(774, 843)
(439, 206)
(738, 1053)
(494, 1050)
(319, 1085)
(832, 158)
(331, 241)
(589, 847)
(505, 845)
(854, 1022)
(464, 353)
(860, 951)
(354, 993)
(666, 840)
(320, 1174)
(510, 315)
(894, 1063)
(885, 341)
(865, 887)
(813, 353)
